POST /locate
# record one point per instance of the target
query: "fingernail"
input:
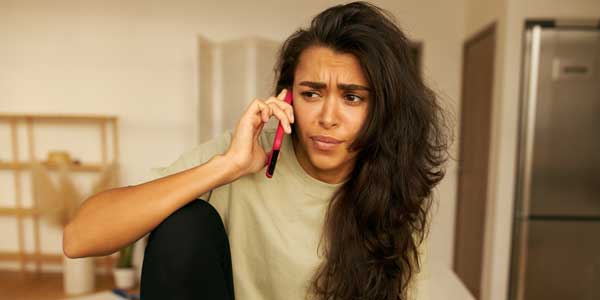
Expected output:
(282, 93)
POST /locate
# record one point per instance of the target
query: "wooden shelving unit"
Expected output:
(74, 167)
(17, 165)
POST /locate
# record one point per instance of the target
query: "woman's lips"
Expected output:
(325, 143)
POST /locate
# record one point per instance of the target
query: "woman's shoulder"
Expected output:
(196, 155)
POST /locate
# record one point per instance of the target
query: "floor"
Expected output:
(43, 286)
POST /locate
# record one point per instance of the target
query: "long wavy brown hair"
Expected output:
(377, 219)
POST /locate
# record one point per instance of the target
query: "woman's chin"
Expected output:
(323, 162)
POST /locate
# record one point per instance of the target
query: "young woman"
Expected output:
(347, 208)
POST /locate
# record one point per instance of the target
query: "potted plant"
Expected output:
(124, 273)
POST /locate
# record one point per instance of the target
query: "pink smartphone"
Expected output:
(277, 141)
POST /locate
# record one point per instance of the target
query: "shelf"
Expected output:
(15, 256)
(72, 167)
(106, 124)
(13, 211)
(56, 118)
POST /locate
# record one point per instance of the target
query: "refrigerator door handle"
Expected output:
(531, 105)
(532, 91)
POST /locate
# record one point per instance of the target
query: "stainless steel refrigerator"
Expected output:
(556, 239)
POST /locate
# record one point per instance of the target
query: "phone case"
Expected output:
(277, 141)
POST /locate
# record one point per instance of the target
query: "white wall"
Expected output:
(510, 15)
(138, 60)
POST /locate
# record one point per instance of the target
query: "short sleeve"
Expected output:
(196, 156)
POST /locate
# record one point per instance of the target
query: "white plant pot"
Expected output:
(124, 277)
(78, 275)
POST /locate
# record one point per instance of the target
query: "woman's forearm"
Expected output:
(109, 220)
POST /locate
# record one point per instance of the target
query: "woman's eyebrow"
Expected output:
(341, 86)
(352, 87)
(314, 85)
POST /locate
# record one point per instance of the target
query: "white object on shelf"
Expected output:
(125, 278)
(78, 275)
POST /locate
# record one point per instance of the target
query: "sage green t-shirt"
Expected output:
(274, 225)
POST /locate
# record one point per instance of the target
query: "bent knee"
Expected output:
(197, 218)
(192, 230)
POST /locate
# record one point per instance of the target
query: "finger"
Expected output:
(282, 116)
(289, 110)
(256, 107)
(264, 109)
(282, 94)
(259, 130)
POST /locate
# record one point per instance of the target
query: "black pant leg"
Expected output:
(188, 257)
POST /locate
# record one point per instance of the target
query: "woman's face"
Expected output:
(331, 98)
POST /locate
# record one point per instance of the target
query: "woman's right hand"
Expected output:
(245, 150)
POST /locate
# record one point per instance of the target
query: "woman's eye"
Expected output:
(309, 94)
(353, 98)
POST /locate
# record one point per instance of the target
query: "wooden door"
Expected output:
(478, 79)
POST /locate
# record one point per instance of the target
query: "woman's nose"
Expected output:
(328, 116)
